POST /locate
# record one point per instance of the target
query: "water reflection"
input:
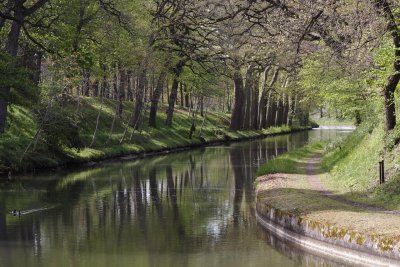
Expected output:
(190, 208)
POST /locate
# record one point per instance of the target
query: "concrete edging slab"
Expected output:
(328, 250)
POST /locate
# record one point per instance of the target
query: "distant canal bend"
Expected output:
(192, 208)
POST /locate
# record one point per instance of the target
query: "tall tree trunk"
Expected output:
(104, 86)
(86, 82)
(174, 92)
(271, 105)
(292, 108)
(254, 104)
(262, 105)
(121, 92)
(12, 49)
(135, 119)
(237, 108)
(181, 91)
(156, 98)
(171, 101)
(271, 110)
(390, 108)
(248, 90)
(95, 88)
(384, 9)
(286, 108)
(278, 114)
(201, 105)
(186, 96)
(129, 93)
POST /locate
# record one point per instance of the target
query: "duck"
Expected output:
(16, 212)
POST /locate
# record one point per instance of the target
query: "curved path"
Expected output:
(316, 184)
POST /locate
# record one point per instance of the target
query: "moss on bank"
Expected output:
(22, 129)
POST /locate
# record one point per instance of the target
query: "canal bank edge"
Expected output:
(318, 236)
(225, 139)
(312, 238)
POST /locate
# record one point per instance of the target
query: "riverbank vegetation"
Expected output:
(293, 161)
(349, 166)
(96, 141)
(83, 79)
(353, 166)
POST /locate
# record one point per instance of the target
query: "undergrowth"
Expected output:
(22, 129)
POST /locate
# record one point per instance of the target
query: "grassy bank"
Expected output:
(23, 128)
(335, 199)
(292, 161)
(353, 166)
(349, 166)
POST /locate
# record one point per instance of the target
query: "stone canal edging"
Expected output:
(329, 240)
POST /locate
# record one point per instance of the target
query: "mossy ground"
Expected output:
(22, 128)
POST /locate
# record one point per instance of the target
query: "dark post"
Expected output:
(381, 172)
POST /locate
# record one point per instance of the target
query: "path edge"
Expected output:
(328, 240)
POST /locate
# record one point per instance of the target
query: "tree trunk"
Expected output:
(262, 104)
(135, 119)
(181, 91)
(278, 115)
(172, 99)
(201, 105)
(104, 86)
(12, 49)
(271, 110)
(390, 109)
(156, 97)
(248, 90)
(186, 96)
(86, 82)
(237, 108)
(121, 92)
(129, 93)
(255, 111)
(271, 105)
(174, 92)
(384, 9)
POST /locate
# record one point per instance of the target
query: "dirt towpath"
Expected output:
(316, 184)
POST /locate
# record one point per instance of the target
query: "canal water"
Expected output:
(192, 208)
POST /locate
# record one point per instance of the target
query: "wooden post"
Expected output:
(381, 172)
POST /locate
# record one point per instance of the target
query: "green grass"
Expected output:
(349, 166)
(353, 165)
(291, 162)
(23, 128)
(353, 162)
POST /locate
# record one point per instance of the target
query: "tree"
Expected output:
(18, 14)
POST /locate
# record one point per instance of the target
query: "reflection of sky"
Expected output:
(214, 228)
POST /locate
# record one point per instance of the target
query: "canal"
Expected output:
(191, 208)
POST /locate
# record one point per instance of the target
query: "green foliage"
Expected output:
(60, 139)
(23, 91)
(58, 128)
(325, 83)
(353, 162)
(393, 138)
